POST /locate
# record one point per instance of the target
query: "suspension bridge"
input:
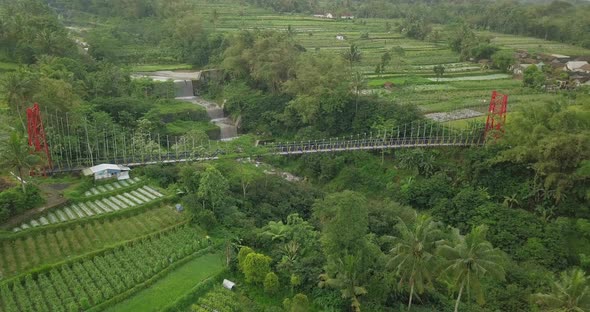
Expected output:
(74, 145)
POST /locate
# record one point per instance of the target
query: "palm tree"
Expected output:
(347, 280)
(353, 55)
(471, 258)
(357, 84)
(571, 293)
(16, 154)
(413, 254)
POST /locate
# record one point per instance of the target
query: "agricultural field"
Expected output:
(174, 285)
(108, 204)
(27, 251)
(95, 280)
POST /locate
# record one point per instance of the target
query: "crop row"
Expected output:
(126, 200)
(81, 285)
(106, 188)
(23, 253)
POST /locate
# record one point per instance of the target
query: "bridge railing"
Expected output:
(79, 147)
(415, 134)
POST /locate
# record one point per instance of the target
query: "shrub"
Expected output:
(271, 283)
(255, 267)
(244, 252)
(13, 201)
(300, 303)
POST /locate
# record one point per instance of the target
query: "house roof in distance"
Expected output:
(101, 167)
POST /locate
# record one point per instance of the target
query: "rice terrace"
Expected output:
(302, 155)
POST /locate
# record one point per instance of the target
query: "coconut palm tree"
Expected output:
(413, 255)
(468, 260)
(352, 55)
(17, 155)
(571, 293)
(347, 280)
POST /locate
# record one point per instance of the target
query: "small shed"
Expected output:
(107, 171)
(388, 85)
(228, 284)
(576, 66)
(340, 37)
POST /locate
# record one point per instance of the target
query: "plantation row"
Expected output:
(81, 285)
(23, 253)
(126, 200)
(101, 189)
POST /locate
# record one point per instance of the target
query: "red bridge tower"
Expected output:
(496, 114)
(37, 133)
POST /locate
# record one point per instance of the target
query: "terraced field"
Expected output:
(24, 252)
(129, 199)
(97, 190)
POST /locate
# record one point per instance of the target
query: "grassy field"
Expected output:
(41, 248)
(174, 285)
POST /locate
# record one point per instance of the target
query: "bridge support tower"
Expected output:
(36, 133)
(496, 115)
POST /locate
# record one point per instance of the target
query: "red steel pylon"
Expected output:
(37, 133)
(496, 114)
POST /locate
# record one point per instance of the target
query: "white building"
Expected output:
(340, 37)
(107, 171)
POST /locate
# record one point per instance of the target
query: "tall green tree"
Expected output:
(357, 84)
(213, 188)
(17, 155)
(468, 259)
(571, 293)
(18, 87)
(413, 256)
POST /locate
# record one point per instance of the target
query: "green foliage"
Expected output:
(255, 267)
(212, 188)
(14, 201)
(460, 211)
(299, 303)
(439, 70)
(271, 283)
(244, 252)
(533, 77)
(502, 60)
(412, 257)
(416, 27)
(219, 299)
(344, 220)
(570, 293)
(468, 259)
(17, 155)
